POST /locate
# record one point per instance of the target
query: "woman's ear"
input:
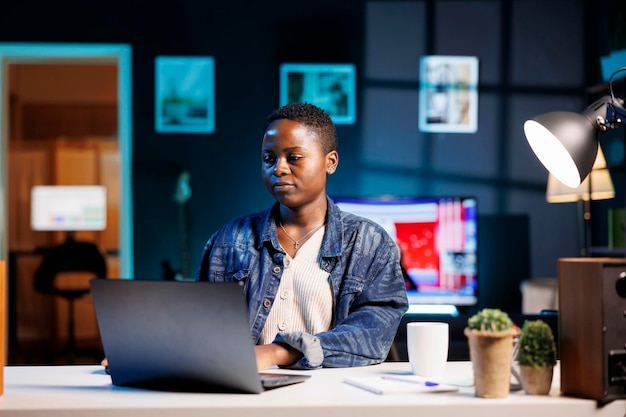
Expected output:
(332, 160)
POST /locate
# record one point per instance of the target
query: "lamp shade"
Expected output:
(600, 188)
(565, 143)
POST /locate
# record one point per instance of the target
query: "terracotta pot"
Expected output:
(491, 356)
(536, 381)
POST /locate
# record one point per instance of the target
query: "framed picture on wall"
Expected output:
(448, 95)
(329, 86)
(184, 94)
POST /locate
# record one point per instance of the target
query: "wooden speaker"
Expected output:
(592, 327)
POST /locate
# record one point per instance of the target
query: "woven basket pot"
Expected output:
(536, 381)
(491, 357)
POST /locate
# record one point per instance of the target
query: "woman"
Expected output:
(324, 287)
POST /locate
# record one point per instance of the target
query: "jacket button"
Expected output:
(266, 303)
(276, 269)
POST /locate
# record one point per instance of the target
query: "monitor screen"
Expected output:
(68, 207)
(437, 237)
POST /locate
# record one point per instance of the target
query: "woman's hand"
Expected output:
(275, 354)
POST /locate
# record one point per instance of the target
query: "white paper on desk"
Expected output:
(381, 385)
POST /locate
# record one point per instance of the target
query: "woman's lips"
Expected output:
(282, 186)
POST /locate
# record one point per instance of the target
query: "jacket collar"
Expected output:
(333, 236)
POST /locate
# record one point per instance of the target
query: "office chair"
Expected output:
(71, 256)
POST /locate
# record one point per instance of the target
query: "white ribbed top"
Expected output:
(304, 301)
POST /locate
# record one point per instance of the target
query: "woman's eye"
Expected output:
(268, 159)
(294, 158)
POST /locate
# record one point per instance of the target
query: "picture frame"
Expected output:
(331, 87)
(448, 95)
(184, 94)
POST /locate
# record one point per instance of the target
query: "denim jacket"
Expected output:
(363, 262)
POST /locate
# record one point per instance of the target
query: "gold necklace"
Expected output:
(296, 242)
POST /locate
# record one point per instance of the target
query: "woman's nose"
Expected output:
(281, 167)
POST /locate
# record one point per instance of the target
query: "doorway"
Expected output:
(117, 57)
(78, 54)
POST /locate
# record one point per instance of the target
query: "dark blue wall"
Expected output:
(535, 56)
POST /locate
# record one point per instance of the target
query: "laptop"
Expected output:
(180, 336)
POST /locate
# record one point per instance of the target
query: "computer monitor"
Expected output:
(438, 242)
(68, 207)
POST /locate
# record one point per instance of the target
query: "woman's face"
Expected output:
(294, 166)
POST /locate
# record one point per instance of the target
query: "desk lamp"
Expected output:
(592, 298)
(566, 143)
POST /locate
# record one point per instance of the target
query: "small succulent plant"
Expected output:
(536, 347)
(490, 319)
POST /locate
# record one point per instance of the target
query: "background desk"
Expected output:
(87, 391)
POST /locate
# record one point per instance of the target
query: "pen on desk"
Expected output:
(412, 381)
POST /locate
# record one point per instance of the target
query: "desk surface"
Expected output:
(87, 390)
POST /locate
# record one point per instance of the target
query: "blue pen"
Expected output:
(411, 380)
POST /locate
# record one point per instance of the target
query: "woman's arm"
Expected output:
(369, 308)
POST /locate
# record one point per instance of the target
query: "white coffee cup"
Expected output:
(427, 346)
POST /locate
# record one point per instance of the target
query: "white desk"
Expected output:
(87, 391)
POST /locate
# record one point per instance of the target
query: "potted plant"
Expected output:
(536, 355)
(490, 334)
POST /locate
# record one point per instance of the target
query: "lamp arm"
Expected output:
(615, 111)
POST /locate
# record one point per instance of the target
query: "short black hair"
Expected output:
(311, 116)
